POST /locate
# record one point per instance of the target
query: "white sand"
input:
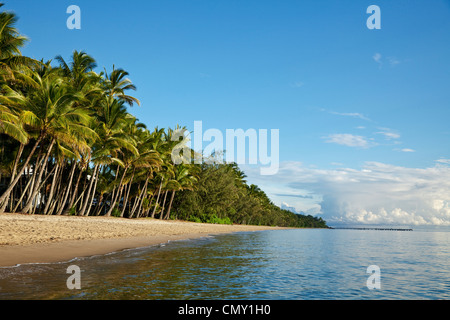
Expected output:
(38, 238)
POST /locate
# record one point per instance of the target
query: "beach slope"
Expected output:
(41, 239)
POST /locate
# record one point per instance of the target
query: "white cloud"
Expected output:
(351, 114)
(347, 114)
(349, 140)
(393, 61)
(389, 134)
(407, 150)
(377, 58)
(377, 193)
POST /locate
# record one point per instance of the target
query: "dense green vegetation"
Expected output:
(69, 146)
(222, 195)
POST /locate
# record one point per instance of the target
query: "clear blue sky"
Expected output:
(342, 96)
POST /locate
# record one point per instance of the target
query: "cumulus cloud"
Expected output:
(377, 193)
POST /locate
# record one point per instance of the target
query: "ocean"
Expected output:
(294, 264)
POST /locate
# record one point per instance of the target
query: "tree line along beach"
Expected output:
(70, 149)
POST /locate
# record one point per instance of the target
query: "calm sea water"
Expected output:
(280, 265)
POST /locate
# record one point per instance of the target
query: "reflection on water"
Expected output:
(288, 264)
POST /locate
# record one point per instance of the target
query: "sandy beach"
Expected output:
(40, 239)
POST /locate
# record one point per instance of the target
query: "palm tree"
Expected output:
(105, 96)
(48, 112)
(11, 63)
(11, 59)
(10, 123)
(185, 177)
(144, 164)
(115, 85)
(113, 119)
(79, 72)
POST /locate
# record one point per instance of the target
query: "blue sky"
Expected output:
(346, 100)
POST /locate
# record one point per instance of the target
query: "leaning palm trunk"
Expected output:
(147, 211)
(113, 202)
(42, 184)
(29, 205)
(88, 195)
(135, 204)
(7, 192)
(100, 205)
(57, 194)
(13, 175)
(157, 199)
(113, 194)
(161, 214)
(125, 201)
(140, 199)
(170, 205)
(52, 189)
(19, 203)
(67, 190)
(93, 193)
(75, 191)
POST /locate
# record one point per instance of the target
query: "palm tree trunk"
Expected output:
(113, 203)
(28, 206)
(16, 162)
(33, 174)
(115, 189)
(13, 175)
(157, 199)
(42, 184)
(52, 189)
(82, 195)
(170, 205)
(57, 194)
(22, 196)
(75, 191)
(93, 192)
(141, 203)
(140, 198)
(125, 201)
(67, 190)
(99, 206)
(88, 194)
(135, 205)
(164, 203)
(125, 190)
(7, 192)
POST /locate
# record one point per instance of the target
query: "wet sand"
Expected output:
(41, 239)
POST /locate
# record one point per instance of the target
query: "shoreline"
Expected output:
(28, 239)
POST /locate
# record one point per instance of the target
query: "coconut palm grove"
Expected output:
(70, 146)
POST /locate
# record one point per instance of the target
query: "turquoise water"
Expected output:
(277, 265)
